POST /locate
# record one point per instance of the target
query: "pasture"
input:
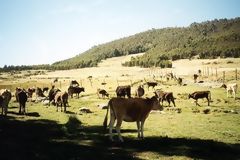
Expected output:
(205, 132)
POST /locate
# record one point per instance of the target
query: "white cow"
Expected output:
(231, 88)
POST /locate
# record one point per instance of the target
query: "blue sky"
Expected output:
(46, 31)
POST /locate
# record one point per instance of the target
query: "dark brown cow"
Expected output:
(165, 96)
(139, 91)
(74, 83)
(129, 110)
(151, 84)
(39, 92)
(200, 94)
(22, 99)
(123, 91)
(195, 76)
(5, 97)
(102, 92)
(61, 99)
(77, 90)
(45, 89)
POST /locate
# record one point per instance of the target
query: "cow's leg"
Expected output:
(173, 102)
(118, 127)
(168, 100)
(138, 129)
(111, 124)
(197, 103)
(208, 101)
(227, 93)
(20, 106)
(142, 127)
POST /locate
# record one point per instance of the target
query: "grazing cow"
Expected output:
(5, 97)
(22, 99)
(123, 91)
(61, 99)
(165, 96)
(140, 91)
(77, 90)
(200, 94)
(195, 76)
(45, 89)
(30, 92)
(74, 83)
(231, 88)
(129, 110)
(151, 84)
(39, 92)
(52, 93)
(179, 80)
(102, 92)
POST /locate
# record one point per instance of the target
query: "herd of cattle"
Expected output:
(128, 109)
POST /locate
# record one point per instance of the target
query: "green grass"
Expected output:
(47, 134)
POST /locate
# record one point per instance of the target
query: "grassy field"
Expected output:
(191, 134)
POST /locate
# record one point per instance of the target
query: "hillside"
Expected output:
(210, 39)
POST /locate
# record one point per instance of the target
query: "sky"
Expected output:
(46, 31)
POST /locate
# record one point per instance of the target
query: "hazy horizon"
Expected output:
(43, 32)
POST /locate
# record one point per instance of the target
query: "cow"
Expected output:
(74, 83)
(102, 92)
(200, 94)
(139, 91)
(45, 89)
(151, 84)
(129, 110)
(195, 76)
(231, 88)
(165, 96)
(52, 93)
(18, 89)
(179, 80)
(30, 92)
(61, 99)
(123, 91)
(77, 90)
(22, 99)
(5, 97)
(39, 92)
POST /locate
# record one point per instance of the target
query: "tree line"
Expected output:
(210, 39)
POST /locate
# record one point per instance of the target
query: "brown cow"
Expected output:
(22, 99)
(200, 94)
(102, 92)
(151, 84)
(129, 110)
(123, 91)
(61, 99)
(5, 97)
(165, 96)
(30, 92)
(77, 90)
(140, 91)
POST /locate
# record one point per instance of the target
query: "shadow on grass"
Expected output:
(45, 139)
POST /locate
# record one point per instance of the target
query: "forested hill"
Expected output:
(208, 39)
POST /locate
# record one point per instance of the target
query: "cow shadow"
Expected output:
(46, 139)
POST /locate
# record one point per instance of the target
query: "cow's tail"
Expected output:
(106, 116)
